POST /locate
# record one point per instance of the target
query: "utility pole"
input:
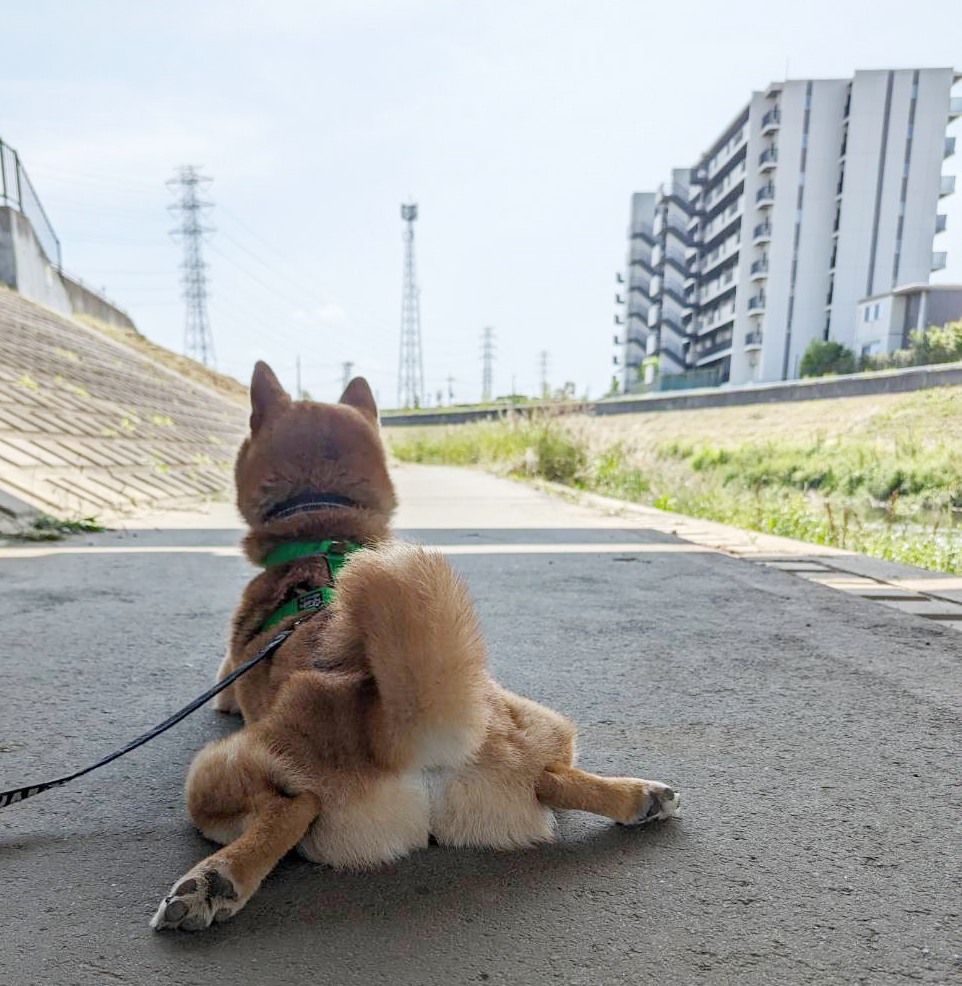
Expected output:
(543, 360)
(198, 340)
(450, 390)
(487, 363)
(410, 386)
(347, 371)
(299, 391)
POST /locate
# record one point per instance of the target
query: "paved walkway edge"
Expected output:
(935, 596)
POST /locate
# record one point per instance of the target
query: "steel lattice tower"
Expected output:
(410, 388)
(189, 183)
(487, 363)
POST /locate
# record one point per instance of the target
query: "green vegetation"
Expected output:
(936, 344)
(52, 529)
(889, 487)
(821, 358)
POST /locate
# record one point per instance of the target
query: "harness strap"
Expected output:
(334, 552)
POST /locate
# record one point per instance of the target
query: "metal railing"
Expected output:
(771, 118)
(17, 192)
(765, 193)
(762, 229)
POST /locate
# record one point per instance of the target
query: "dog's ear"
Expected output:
(267, 396)
(358, 395)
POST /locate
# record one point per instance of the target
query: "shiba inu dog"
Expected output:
(375, 725)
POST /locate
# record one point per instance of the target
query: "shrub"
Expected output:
(824, 357)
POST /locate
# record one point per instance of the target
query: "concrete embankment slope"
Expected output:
(89, 426)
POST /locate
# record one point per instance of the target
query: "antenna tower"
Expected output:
(347, 371)
(410, 386)
(543, 365)
(190, 184)
(487, 363)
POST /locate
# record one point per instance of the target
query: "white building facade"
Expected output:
(820, 193)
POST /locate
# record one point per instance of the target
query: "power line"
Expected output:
(487, 363)
(369, 317)
(410, 387)
(198, 339)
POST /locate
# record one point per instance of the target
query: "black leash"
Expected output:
(22, 793)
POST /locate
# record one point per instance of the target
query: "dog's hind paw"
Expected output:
(655, 802)
(205, 894)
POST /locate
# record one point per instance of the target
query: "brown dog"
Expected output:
(375, 724)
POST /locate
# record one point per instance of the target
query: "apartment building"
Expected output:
(818, 194)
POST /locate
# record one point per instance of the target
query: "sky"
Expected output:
(520, 128)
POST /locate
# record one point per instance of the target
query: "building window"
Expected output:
(865, 313)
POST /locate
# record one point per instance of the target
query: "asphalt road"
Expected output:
(814, 737)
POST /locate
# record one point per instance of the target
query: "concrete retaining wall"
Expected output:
(25, 268)
(853, 385)
(83, 301)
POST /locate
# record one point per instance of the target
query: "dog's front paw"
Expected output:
(654, 802)
(207, 893)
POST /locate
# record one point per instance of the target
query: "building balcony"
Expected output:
(641, 231)
(698, 176)
(715, 319)
(771, 120)
(753, 340)
(955, 107)
(718, 287)
(759, 270)
(940, 221)
(946, 185)
(713, 352)
(756, 304)
(632, 339)
(768, 159)
(765, 196)
(938, 260)
(762, 233)
(949, 148)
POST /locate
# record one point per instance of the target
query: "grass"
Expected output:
(878, 476)
(52, 529)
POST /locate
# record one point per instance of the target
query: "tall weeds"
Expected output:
(896, 498)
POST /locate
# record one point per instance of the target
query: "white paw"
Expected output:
(657, 801)
(205, 894)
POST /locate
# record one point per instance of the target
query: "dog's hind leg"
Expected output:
(221, 885)
(628, 800)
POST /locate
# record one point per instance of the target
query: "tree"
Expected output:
(824, 357)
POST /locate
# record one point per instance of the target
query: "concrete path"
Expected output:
(814, 736)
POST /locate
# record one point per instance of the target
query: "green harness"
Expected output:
(333, 552)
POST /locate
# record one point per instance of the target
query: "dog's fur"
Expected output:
(376, 724)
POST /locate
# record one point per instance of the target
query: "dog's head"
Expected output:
(313, 468)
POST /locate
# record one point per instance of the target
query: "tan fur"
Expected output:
(376, 724)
